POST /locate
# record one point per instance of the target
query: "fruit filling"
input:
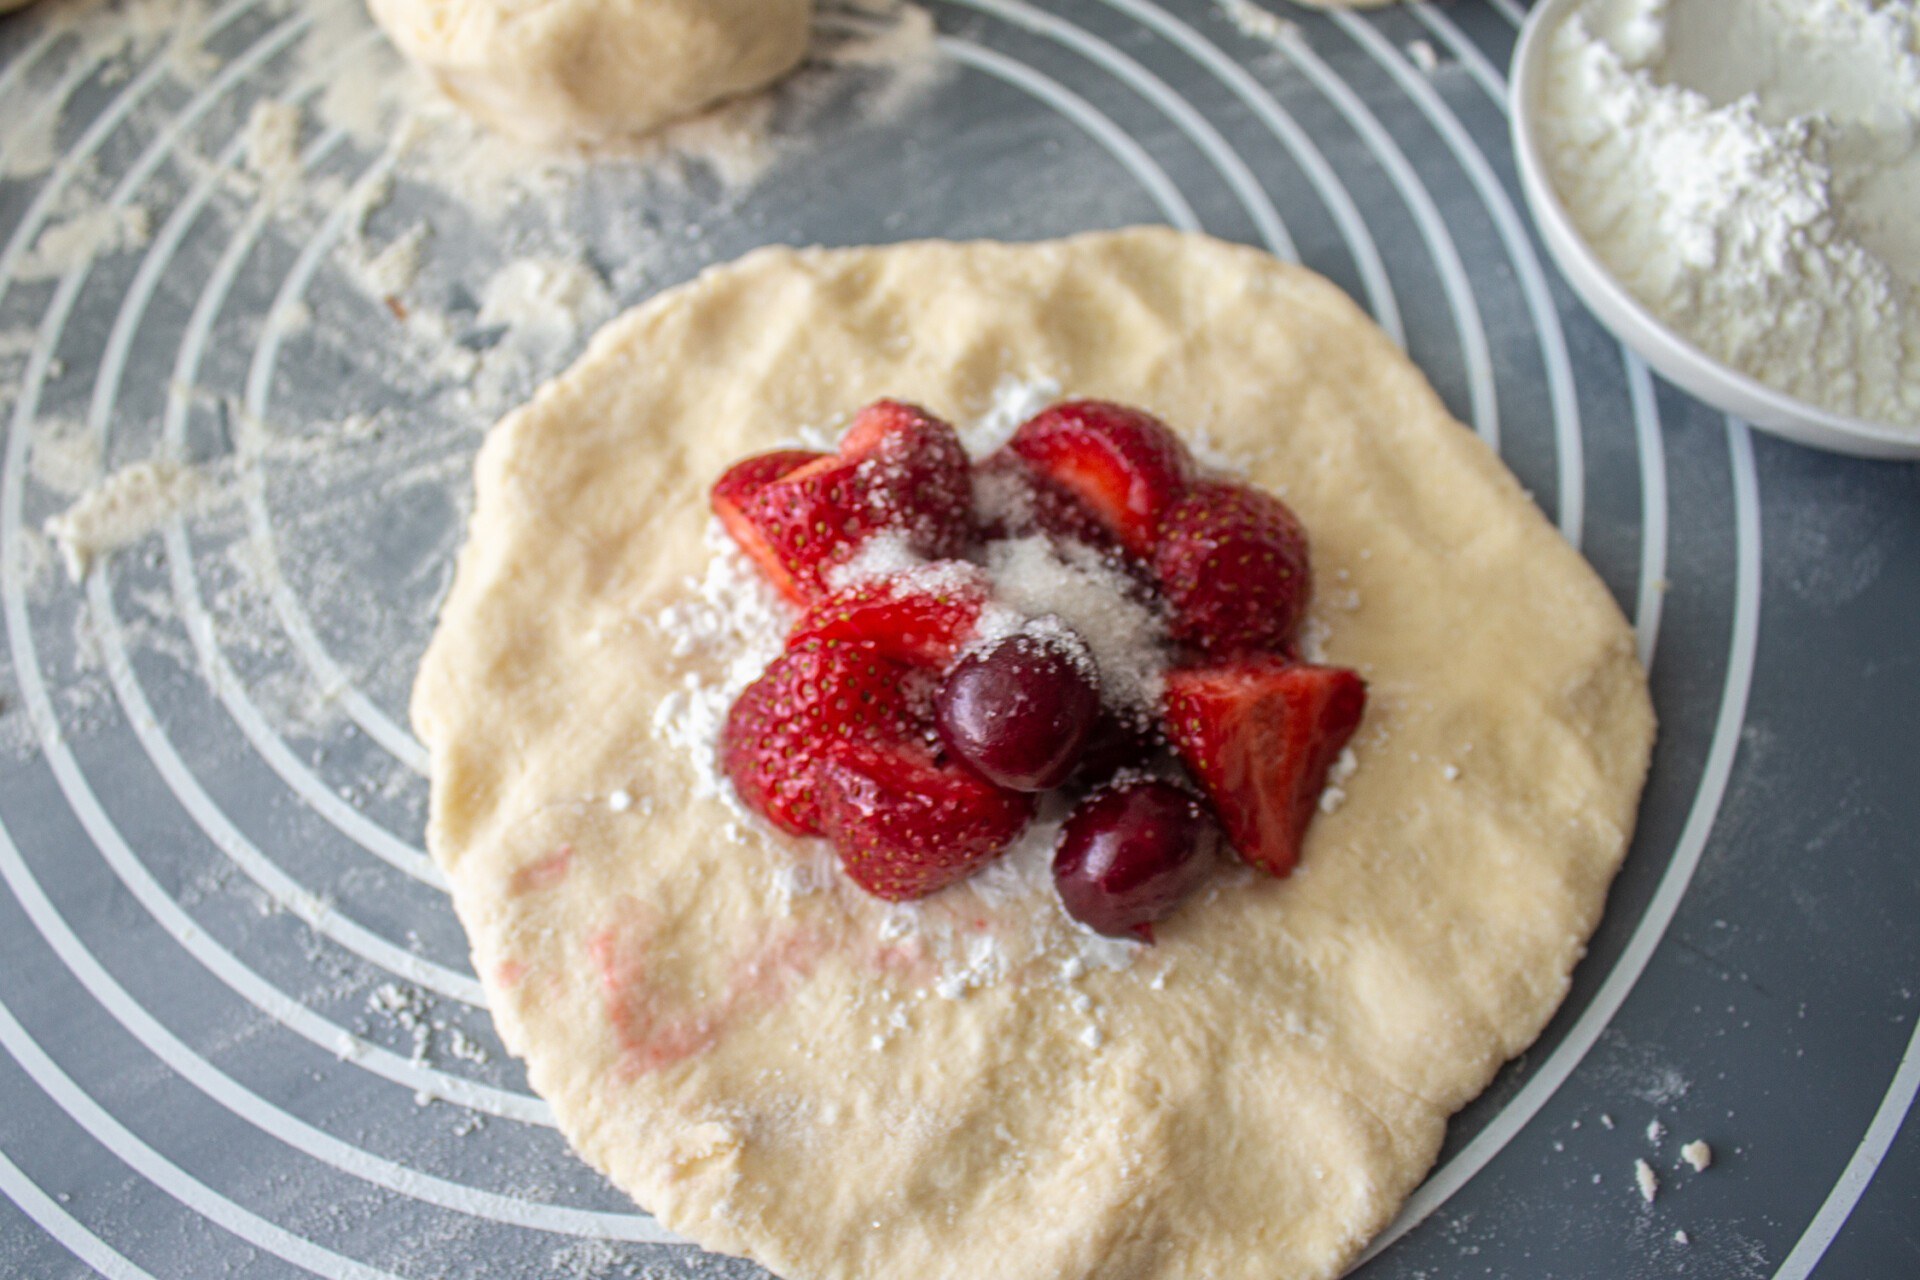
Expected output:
(1085, 611)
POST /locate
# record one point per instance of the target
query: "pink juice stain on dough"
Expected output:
(654, 1030)
(544, 874)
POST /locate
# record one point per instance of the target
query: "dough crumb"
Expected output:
(1606, 1121)
(1680, 1237)
(1648, 1180)
(69, 245)
(1698, 1154)
(1258, 23)
(273, 144)
(1423, 56)
(123, 508)
(1656, 1132)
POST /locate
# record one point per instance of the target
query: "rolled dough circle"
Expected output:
(586, 71)
(779, 1066)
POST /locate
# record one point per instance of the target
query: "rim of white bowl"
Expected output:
(1614, 305)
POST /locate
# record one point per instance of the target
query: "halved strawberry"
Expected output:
(817, 694)
(1259, 735)
(1014, 500)
(741, 481)
(1126, 466)
(906, 826)
(923, 617)
(899, 471)
(1232, 565)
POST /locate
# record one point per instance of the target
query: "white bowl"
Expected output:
(1678, 360)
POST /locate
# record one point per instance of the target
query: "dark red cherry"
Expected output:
(1019, 710)
(1130, 855)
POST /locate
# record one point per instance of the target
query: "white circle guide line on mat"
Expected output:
(41, 207)
(312, 909)
(1632, 962)
(1834, 1211)
(1483, 401)
(120, 856)
(106, 836)
(1505, 1124)
(1898, 1101)
(17, 67)
(1381, 302)
(1252, 196)
(1519, 249)
(46, 104)
(169, 1177)
(282, 1125)
(1648, 438)
(1131, 155)
(1653, 506)
(63, 1226)
(227, 686)
(1511, 11)
(396, 738)
(67, 775)
(304, 903)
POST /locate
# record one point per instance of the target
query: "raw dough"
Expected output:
(779, 1066)
(559, 71)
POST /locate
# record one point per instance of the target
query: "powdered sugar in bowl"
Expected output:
(1729, 189)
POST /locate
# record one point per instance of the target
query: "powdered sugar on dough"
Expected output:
(773, 1062)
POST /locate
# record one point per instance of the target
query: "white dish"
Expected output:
(1676, 359)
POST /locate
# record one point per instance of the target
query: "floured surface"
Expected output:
(772, 1062)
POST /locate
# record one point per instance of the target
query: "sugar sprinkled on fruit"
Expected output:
(978, 642)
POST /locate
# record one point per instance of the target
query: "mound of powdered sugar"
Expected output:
(1750, 173)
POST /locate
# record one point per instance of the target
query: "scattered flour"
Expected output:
(79, 239)
(391, 271)
(123, 508)
(1750, 173)
(273, 145)
(545, 306)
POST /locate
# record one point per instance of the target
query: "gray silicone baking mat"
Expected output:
(240, 265)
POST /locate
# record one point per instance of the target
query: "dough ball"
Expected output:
(560, 71)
